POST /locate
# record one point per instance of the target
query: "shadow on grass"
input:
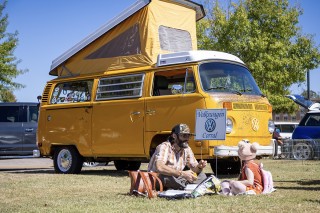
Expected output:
(29, 170)
(313, 201)
(298, 188)
(305, 183)
(301, 182)
(101, 172)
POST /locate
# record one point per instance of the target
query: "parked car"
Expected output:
(306, 136)
(18, 127)
(286, 128)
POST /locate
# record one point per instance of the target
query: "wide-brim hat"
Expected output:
(181, 129)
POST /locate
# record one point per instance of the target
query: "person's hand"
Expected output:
(202, 164)
(189, 175)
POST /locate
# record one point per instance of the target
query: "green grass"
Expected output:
(103, 189)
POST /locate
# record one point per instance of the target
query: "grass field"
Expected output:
(103, 189)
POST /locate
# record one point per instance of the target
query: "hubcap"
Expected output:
(64, 160)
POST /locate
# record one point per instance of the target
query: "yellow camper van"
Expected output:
(121, 111)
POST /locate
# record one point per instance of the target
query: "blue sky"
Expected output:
(48, 28)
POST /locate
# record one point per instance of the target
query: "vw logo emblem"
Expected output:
(255, 124)
(210, 125)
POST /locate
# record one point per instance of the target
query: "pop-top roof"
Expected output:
(111, 25)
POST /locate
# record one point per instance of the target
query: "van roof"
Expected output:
(18, 103)
(194, 56)
(126, 14)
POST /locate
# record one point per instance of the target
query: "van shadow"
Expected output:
(98, 172)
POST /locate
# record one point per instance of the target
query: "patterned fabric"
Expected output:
(175, 159)
(181, 129)
(257, 183)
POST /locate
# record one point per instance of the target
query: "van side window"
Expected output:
(173, 82)
(71, 92)
(9, 114)
(33, 114)
(120, 87)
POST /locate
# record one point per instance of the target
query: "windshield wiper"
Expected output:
(220, 87)
(263, 95)
(236, 92)
(224, 88)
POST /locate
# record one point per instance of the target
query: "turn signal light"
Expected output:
(227, 105)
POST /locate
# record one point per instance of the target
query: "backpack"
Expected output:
(266, 180)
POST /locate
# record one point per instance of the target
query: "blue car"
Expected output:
(306, 136)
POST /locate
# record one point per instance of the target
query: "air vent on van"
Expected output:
(242, 106)
(45, 95)
(261, 107)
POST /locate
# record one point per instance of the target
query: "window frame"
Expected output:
(140, 88)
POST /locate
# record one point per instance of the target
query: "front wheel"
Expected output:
(302, 151)
(67, 160)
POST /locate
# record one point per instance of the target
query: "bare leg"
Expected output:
(225, 187)
(237, 187)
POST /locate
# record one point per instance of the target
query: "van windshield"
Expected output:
(227, 78)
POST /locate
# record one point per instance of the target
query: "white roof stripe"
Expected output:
(193, 56)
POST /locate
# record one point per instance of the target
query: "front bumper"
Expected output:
(232, 151)
(36, 153)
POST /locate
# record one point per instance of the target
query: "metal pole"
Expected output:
(308, 84)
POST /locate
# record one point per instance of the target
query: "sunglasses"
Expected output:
(184, 135)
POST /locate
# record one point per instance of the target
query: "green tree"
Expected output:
(266, 36)
(8, 62)
(312, 94)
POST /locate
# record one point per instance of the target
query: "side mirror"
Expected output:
(176, 89)
(39, 98)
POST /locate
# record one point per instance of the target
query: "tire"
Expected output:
(228, 166)
(127, 165)
(67, 160)
(302, 151)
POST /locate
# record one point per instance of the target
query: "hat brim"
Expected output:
(191, 134)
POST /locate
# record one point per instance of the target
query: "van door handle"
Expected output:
(135, 113)
(29, 130)
(150, 112)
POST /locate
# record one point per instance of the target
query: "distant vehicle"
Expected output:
(306, 136)
(18, 127)
(286, 128)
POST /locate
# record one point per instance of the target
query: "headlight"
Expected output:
(271, 126)
(229, 125)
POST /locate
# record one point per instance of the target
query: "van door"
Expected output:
(30, 129)
(118, 115)
(10, 130)
(68, 117)
(175, 100)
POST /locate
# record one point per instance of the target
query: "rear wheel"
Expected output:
(226, 166)
(302, 151)
(67, 160)
(127, 165)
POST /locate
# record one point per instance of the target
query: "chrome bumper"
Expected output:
(36, 153)
(232, 151)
